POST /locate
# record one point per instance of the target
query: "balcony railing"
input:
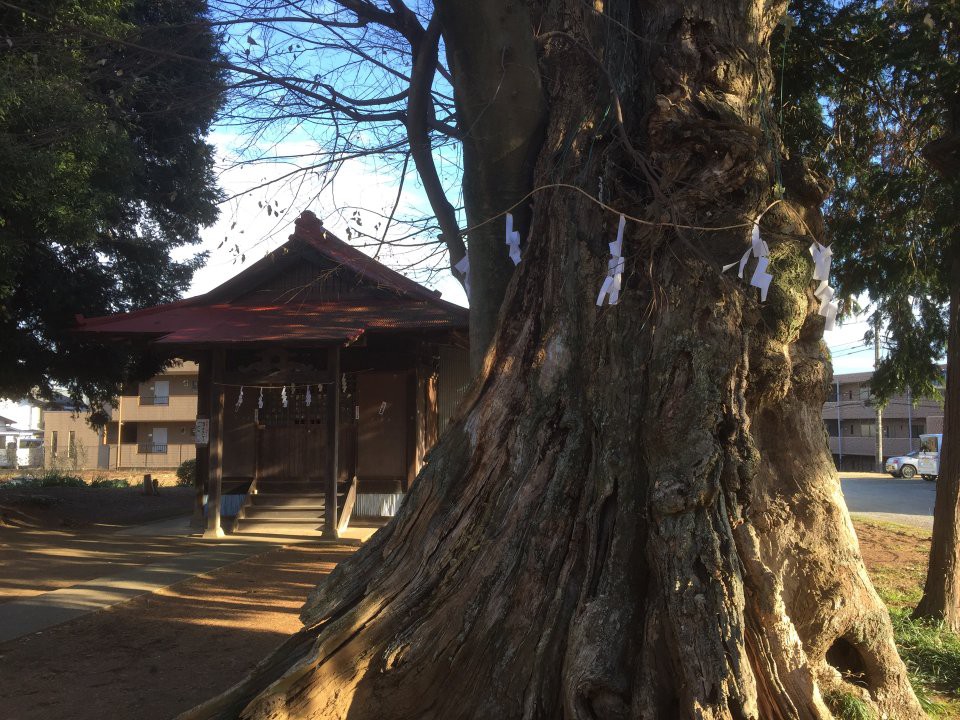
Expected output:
(154, 399)
(151, 449)
(131, 457)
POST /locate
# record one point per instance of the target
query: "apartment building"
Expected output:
(851, 423)
(151, 427)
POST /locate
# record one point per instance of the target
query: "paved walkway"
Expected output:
(28, 615)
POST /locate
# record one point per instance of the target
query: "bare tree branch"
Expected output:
(421, 149)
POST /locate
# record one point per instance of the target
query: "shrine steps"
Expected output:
(287, 507)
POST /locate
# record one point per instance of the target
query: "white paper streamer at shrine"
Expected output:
(822, 257)
(463, 267)
(760, 250)
(260, 401)
(239, 400)
(513, 240)
(308, 398)
(610, 290)
(283, 395)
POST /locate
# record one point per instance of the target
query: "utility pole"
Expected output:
(876, 363)
(839, 429)
(910, 417)
(120, 430)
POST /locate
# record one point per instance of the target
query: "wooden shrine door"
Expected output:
(291, 440)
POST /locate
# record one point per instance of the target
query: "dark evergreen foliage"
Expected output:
(105, 173)
(867, 86)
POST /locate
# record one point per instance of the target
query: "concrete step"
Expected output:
(271, 499)
(306, 528)
(295, 513)
(290, 486)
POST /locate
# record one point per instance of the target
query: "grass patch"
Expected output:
(51, 478)
(845, 706)
(932, 656)
(896, 558)
(113, 483)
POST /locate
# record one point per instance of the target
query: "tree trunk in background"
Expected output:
(502, 115)
(635, 514)
(941, 592)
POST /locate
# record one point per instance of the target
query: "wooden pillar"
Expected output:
(215, 450)
(410, 421)
(202, 480)
(330, 520)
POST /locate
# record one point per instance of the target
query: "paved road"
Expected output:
(908, 502)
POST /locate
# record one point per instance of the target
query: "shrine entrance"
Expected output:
(291, 441)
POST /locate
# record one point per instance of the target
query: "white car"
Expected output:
(904, 466)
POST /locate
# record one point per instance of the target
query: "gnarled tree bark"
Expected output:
(635, 513)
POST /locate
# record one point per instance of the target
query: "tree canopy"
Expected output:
(872, 98)
(105, 173)
(867, 88)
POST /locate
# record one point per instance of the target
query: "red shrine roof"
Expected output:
(233, 312)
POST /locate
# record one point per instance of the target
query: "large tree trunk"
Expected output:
(635, 514)
(941, 592)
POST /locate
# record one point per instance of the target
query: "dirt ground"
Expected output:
(55, 537)
(156, 656)
(896, 558)
(34, 561)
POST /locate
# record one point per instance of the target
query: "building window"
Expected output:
(129, 433)
(53, 442)
(72, 445)
(833, 393)
(831, 426)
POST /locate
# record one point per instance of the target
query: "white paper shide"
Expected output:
(613, 282)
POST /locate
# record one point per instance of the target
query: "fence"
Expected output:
(146, 455)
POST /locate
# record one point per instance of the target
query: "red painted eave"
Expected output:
(324, 322)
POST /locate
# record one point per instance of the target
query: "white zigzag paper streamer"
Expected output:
(463, 267)
(759, 249)
(822, 257)
(612, 283)
(513, 240)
